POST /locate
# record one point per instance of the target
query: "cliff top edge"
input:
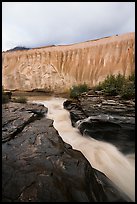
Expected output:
(85, 44)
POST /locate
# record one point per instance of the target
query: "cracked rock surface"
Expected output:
(37, 166)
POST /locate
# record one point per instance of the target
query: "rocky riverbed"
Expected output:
(105, 118)
(38, 166)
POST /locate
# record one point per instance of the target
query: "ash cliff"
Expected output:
(57, 68)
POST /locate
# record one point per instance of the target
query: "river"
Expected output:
(103, 156)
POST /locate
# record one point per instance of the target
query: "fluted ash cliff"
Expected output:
(57, 68)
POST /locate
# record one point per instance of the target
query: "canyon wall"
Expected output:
(57, 68)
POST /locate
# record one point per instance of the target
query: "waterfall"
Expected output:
(103, 156)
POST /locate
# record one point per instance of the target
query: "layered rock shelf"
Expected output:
(105, 118)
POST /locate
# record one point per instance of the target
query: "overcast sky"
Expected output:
(33, 24)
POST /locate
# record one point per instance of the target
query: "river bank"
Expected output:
(39, 93)
(102, 157)
(36, 161)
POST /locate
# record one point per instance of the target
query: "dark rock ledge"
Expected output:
(37, 166)
(105, 118)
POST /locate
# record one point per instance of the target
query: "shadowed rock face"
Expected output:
(105, 118)
(53, 67)
(38, 166)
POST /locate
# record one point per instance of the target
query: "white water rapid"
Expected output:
(103, 156)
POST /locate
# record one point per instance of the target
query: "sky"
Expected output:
(36, 24)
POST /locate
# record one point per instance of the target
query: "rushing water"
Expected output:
(101, 155)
